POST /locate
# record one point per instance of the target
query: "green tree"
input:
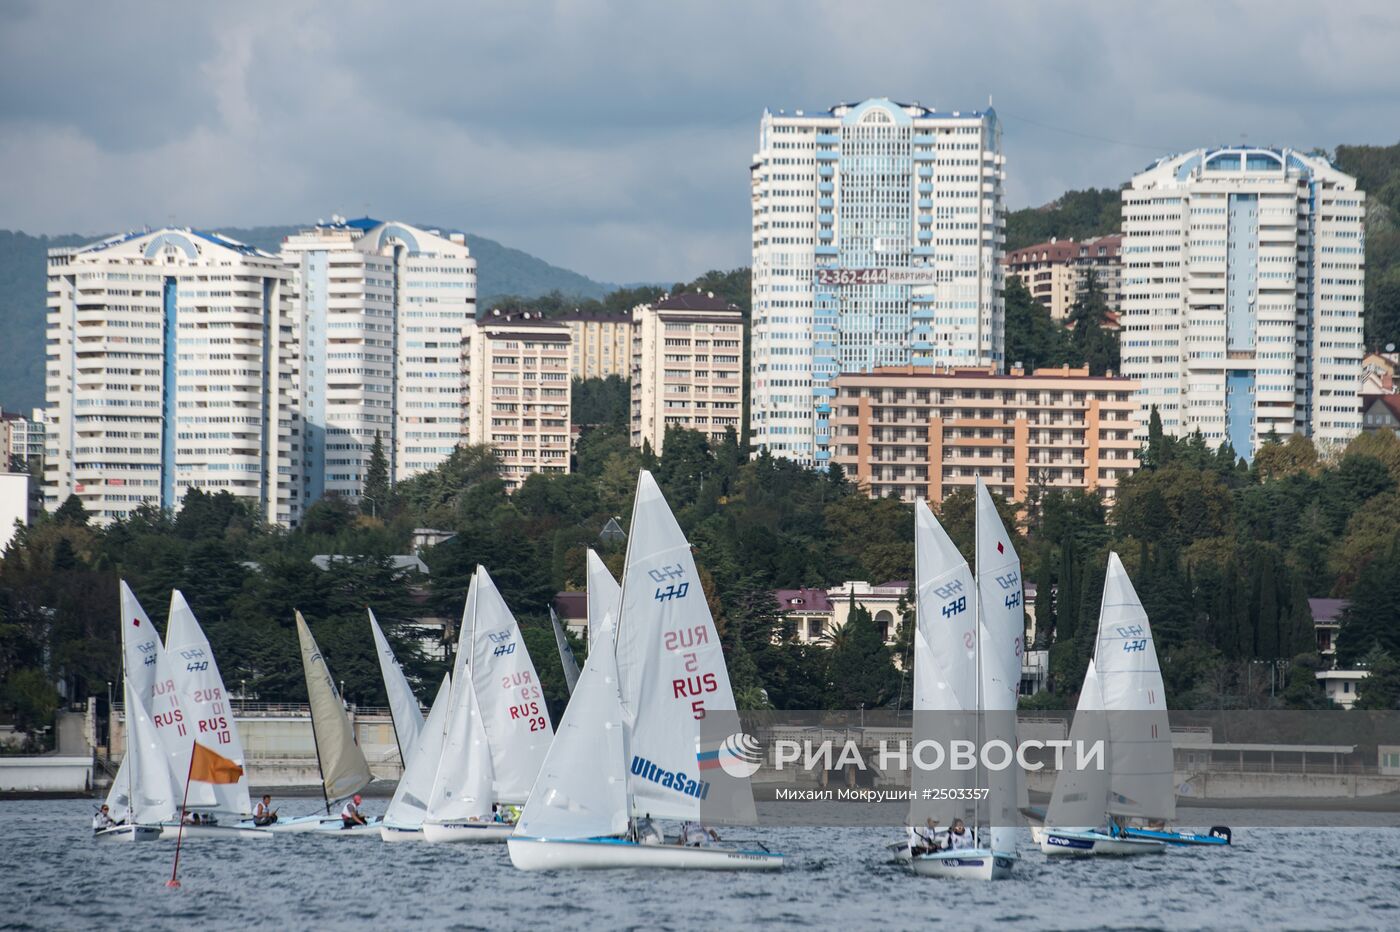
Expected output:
(1033, 339)
(1380, 689)
(862, 673)
(375, 498)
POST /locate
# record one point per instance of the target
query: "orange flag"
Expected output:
(211, 767)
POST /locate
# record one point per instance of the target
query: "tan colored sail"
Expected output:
(344, 770)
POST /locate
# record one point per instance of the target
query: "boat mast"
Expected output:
(616, 633)
(977, 653)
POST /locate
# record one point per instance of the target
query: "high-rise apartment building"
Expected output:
(383, 307)
(1057, 273)
(877, 235)
(687, 368)
(518, 393)
(1243, 279)
(602, 343)
(918, 433)
(171, 365)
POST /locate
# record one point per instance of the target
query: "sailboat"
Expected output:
(403, 820)
(344, 770)
(630, 742)
(1122, 704)
(403, 705)
(967, 673)
(163, 720)
(498, 731)
(141, 797)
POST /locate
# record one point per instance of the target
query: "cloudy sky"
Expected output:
(614, 138)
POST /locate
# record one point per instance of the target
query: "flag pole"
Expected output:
(180, 834)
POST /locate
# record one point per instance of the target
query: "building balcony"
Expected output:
(925, 235)
(826, 234)
(925, 188)
(828, 139)
(826, 250)
(925, 171)
(926, 203)
(924, 139)
(826, 171)
(922, 250)
(825, 203)
(826, 187)
(826, 218)
(827, 155)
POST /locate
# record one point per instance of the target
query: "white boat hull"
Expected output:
(398, 833)
(899, 851)
(169, 831)
(466, 832)
(965, 864)
(1056, 843)
(288, 826)
(541, 854)
(128, 833)
(339, 828)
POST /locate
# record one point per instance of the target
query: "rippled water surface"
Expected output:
(52, 876)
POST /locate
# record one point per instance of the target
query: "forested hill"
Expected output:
(501, 270)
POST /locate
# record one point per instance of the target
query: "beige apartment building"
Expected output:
(1057, 273)
(687, 367)
(517, 393)
(909, 433)
(602, 343)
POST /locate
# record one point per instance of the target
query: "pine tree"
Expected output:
(1067, 599)
(374, 499)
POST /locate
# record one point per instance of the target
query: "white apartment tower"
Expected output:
(1243, 281)
(877, 238)
(171, 365)
(687, 368)
(516, 369)
(383, 309)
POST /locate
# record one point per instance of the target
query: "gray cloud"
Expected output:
(615, 138)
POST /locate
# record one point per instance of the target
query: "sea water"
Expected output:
(54, 876)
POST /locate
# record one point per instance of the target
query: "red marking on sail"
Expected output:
(1000, 548)
(136, 622)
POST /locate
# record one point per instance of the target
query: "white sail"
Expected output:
(1081, 793)
(464, 632)
(566, 653)
(403, 705)
(508, 693)
(1001, 614)
(410, 802)
(945, 665)
(1135, 700)
(462, 787)
(141, 653)
(155, 794)
(205, 701)
(670, 666)
(344, 770)
(582, 788)
(604, 596)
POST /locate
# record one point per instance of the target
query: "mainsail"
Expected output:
(344, 770)
(403, 705)
(1135, 700)
(945, 667)
(462, 787)
(141, 653)
(582, 788)
(1000, 646)
(205, 702)
(671, 670)
(410, 802)
(604, 597)
(508, 693)
(566, 653)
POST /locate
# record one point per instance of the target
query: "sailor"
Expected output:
(648, 833)
(350, 814)
(696, 835)
(102, 819)
(497, 815)
(263, 813)
(923, 840)
(959, 838)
